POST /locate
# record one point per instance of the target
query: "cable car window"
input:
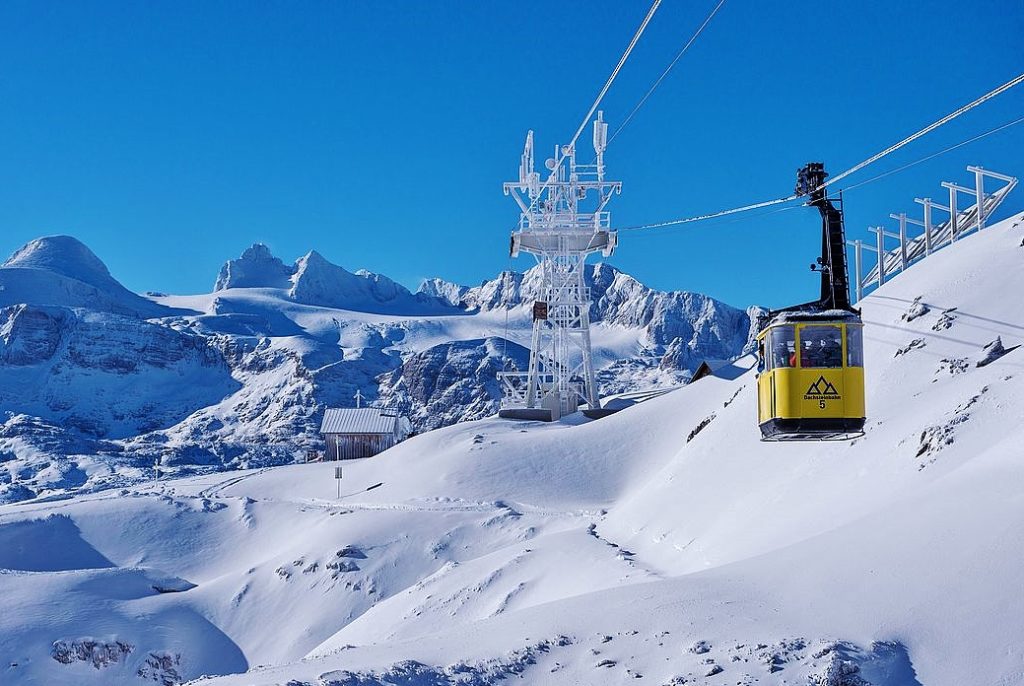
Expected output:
(821, 346)
(854, 346)
(783, 342)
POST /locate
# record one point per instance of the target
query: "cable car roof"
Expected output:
(845, 316)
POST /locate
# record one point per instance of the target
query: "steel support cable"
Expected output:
(931, 127)
(596, 104)
(615, 72)
(780, 201)
(871, 160)
(661, 78)
(713, 215)
(751, 217)
(934, 154)
(859, 184)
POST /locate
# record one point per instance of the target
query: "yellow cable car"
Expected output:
(810, 383)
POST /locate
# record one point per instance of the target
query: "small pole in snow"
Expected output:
(881, 253)
(927, 226)
(979, 185)
(902, 216)
(359, 398)
(156, 469)
(337, 477)
(858, 257)
(952, 213)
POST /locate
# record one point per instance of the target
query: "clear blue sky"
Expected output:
(168, 136)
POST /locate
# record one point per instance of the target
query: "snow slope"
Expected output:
(664, 544)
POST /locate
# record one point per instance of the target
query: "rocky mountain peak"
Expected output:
(313, 258)
(319, 282)
(448, 291)
(257, 252)
(256, 268)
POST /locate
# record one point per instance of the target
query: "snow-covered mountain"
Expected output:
(97, 384)
(663, 545)
(699, 327)
(59, 270)
(451, 382)
(256, 268)
(318, 282)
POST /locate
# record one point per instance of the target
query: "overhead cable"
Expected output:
(713, 215)
(871, 160)
(931, 127)
(934, 154)
(665, 73)
(615, 72)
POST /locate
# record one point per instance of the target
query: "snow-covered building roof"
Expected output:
(361, 420)
(724, 369)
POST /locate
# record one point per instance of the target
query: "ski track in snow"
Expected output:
(212, 491)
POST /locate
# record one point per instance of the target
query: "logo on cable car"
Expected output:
(822, 389)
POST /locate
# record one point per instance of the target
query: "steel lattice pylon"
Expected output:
(562, 221)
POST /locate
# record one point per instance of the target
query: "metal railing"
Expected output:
(566, 221)
(911, 249)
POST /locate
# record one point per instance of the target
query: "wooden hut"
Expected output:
(354, 432)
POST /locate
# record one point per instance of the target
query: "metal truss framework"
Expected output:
(562, 221)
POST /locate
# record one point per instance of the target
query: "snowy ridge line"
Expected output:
(512, 507)
(653, 393)
(515, 508)
(212, 491)
(443, 505)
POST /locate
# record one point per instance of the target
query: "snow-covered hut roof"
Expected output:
(724, 369)
(359, 420)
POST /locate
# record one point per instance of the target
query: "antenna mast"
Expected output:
(561, 222)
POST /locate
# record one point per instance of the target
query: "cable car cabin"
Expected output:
(810, 383)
